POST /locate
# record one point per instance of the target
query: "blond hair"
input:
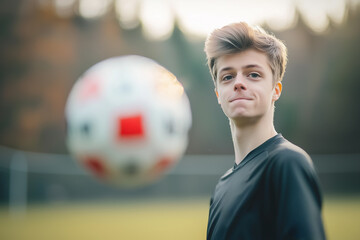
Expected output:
(237, 37)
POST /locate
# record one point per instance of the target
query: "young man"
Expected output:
(272, 191)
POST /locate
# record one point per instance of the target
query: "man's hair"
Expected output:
(237, 37)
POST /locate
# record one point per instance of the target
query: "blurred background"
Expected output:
(45, 45)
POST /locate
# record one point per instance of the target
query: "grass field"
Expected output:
(155, 219)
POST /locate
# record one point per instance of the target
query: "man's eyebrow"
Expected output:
(244, 67)
(252, 66)
(224, 69)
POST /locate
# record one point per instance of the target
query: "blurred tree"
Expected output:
(43, 54)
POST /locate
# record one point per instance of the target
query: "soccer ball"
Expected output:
(127, 120)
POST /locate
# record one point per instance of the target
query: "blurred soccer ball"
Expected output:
(128, 120)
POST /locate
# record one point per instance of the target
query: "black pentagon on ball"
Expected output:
(131, 168)
(85, 129)
(125, 88)
(169, 125)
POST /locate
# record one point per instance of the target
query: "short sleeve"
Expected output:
(297, 198)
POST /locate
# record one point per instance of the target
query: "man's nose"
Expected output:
(239, 83)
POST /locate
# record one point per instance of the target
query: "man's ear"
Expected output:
(217, 95)
(277, 92)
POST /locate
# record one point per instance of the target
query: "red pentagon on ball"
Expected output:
(90, 89)
(163, 164)
(95, 165)
(131, 127)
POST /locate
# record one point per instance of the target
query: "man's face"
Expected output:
(245, 87)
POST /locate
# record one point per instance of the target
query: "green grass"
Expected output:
(342, 217)
(163, 219)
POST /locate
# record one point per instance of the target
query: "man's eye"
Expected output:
(227, 77)
(254, 75)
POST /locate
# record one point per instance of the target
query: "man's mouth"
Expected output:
(240, 99)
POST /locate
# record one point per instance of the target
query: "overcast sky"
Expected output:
(199, 17)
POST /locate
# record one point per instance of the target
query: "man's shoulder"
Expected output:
(285, 152)
(290, 163)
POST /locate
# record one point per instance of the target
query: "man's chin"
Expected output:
(244, 119)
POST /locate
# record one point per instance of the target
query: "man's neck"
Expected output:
(247, 137)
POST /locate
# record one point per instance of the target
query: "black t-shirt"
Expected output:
(272, 194)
